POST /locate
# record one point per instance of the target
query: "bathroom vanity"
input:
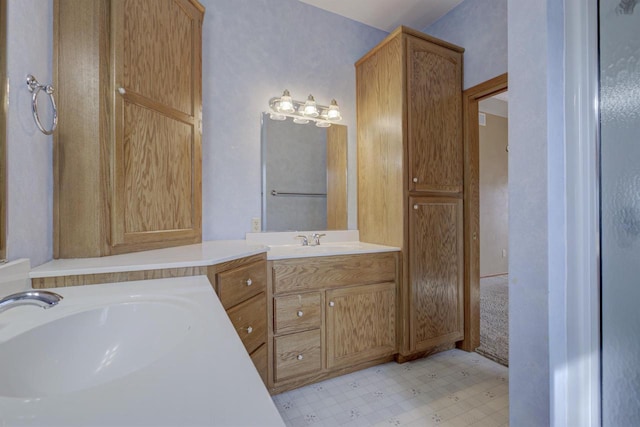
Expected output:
(303, 313)
(329, 315)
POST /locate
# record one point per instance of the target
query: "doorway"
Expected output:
(494, 227)
(470, 103)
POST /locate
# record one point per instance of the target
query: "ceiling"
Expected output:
(387, 15)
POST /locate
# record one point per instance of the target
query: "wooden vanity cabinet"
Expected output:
(127, 151)
(410, 171)
(241, 285)
(329, 316)
(361, 324)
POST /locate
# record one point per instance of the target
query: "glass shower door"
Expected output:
(620, 210)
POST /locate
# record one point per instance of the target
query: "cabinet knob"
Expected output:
(249, 282)
(415, 207)
(121, 91)
(300, 357)
(300, 314)
(249, 329)
(332, 304)
(415, 179)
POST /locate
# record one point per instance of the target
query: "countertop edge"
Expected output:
(56, 271)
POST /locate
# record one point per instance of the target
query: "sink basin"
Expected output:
(324, 249)
(110, 342)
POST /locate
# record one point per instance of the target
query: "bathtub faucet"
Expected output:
(44, 299)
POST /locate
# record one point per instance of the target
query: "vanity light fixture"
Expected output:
(303, 112)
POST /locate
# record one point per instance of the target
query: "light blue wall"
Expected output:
(537, 204)
(29, 152)
(252, 51)
(480, 26)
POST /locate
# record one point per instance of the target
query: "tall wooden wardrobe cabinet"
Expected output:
(127, 152)
(410, 170)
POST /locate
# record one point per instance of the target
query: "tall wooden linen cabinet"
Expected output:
(127, 152)
(410, 178)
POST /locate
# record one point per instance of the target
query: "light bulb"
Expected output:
(334, 111)
(286, 103)
(310, 109)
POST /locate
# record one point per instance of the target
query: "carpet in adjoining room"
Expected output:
(494, 318)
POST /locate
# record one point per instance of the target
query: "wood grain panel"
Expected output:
(241, 283)
(287, 352)
(434, 117)
(81, 141)
(380, 115)
(361, 324)
(337, 177)
(409, 31)
(250, 321)
(259, 359)
(161, 210)
(158, 185)
(295, 313)
(295, 275)
(156, 33)
(126, 276)
(436, 271)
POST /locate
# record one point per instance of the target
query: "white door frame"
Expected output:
(575, 343)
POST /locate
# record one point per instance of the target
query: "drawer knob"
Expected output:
(249, 329)
(415, 207)
(249, 282)
(300, 314)
(415, 179)
(121, 91)
(300, 357)
(331, 303)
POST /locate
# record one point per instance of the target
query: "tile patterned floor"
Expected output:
(453, 388)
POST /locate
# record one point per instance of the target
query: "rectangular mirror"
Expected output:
(304, 176)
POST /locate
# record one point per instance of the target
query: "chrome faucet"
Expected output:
(44, 299)
(305, 240)
(316, 238)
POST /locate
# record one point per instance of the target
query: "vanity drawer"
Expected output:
(295, 275)
(240, 284)
(297, 354)
(296, 312)
(250, 321)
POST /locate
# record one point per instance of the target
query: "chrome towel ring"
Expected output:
(35, 87)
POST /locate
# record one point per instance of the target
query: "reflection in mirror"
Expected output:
(304, 176)
(3, 128)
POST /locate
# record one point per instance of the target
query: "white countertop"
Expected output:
(288, 244)
(281, 245)
(198, 255)
(205, 378)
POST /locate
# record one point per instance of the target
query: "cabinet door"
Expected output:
(434, 119)
(435, 271)
(158, 102)
(361, 324)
